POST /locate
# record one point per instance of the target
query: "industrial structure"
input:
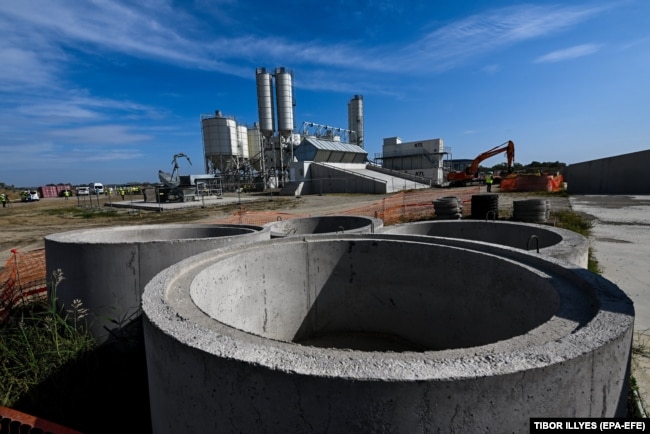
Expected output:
(273, 153)
(424, 158)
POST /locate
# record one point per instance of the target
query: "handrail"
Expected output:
(531, 238)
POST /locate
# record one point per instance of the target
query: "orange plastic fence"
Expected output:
(22, 280)
(399, 207)
(14, 421)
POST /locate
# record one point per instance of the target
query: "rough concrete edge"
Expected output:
(573, 245)
(613, 320)
(374, 224)
(77, 235)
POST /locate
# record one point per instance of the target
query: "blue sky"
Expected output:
(109, 91)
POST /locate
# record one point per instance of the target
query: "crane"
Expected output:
(471, 172)
(175, 163)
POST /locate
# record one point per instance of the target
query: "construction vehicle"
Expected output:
(174, 187)
(470, 173)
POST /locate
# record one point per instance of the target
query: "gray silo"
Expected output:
(265, 101)
(242, 142)
(220, 142)
(355, 120)
(255, 155)
(284, 95)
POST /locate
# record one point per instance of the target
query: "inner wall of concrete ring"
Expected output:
(551, 241)
(324, 225)
(107, 269)
(493, 336)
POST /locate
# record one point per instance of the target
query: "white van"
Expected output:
(96, 188)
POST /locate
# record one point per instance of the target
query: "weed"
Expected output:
(37, 340)
(573, 221)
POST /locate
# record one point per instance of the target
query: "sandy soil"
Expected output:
(25, 224)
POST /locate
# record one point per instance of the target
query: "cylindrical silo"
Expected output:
(265, 101)
(355, 119)
(284, 95)
(255, 147)
(242, 141)
(219, 139)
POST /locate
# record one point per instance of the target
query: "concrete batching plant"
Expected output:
(274, 154)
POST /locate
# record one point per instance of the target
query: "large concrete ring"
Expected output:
(547, 240)
(381, 333)
(324, 225)
(108, 268)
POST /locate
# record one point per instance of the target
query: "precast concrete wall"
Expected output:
(330, 179)
(107, 269)
(324, 225)
(547, 240)
(622, 174)
(381, 333)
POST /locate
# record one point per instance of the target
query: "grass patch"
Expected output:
(38, 339)
(573, 221)
(581, 224)
(52, 368)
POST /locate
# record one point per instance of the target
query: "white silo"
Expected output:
(242, 141)
(220, 142)
(355, 120)
(284, 95)
(264, 82)
(255, 147)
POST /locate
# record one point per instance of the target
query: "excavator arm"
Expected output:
(472, 170)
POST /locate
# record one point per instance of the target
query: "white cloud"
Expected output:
(154, 33)
(478, 35)
(100, 135)
(568, 53)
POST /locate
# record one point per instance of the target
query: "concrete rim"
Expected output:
(324, 224)
(552, 241)
(166, 232)
(168, 307)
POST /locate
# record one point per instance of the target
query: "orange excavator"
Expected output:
(471, 172)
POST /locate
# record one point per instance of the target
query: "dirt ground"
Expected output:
(25, 224)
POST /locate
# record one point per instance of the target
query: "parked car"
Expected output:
(83, 191)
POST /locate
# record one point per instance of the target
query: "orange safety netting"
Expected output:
(22, 280)
(399, 207)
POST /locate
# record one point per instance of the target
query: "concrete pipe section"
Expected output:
(381, 333)
(107, 269)
(546, 240)
(324, 225)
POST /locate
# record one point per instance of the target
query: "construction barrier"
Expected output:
(532, 183)
(22, 280)
(400, 207)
